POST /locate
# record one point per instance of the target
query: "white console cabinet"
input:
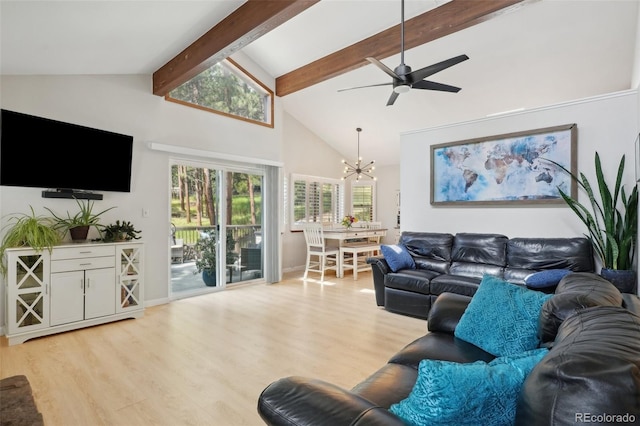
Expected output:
(74, 286)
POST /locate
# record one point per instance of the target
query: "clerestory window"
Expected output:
(227, 89)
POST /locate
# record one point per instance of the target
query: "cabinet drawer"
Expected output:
(81, 252)
(83, 264)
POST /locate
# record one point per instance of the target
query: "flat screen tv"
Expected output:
(44, 153)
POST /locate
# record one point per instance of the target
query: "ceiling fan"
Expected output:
(404, 79)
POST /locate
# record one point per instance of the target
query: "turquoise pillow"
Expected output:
(546, 278)
(397, 257)
(450, 393)
(502, 318)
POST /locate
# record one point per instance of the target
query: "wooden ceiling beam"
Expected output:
(246, 24)
(447, 19)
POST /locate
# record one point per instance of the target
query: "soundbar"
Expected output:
(68, 193)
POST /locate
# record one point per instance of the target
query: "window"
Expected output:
(315, 199)
(363, 200)
(227, 89)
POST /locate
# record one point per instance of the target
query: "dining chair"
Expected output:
(375, 239)
(320, 258)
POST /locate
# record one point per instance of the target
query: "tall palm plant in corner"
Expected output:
(612, 221)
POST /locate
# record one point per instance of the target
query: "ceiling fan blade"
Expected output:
(383, 67)
(425, 72)
(392, 98)
(432, 85)
(363, 87)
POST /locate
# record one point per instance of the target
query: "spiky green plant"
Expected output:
(85, 217)
(612, 221)
(28, 230)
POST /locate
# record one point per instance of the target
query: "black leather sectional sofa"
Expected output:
(591, 373)
(457, 263)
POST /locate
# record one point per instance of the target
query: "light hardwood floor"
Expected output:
(205, 360)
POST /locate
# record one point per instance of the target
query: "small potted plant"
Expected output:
(28, 230)
(120, 231)
(207, 259)
(78, 225)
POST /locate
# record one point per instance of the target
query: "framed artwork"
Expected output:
(511, 169)
(637, 145)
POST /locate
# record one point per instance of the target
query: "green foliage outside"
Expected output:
(220, 89)
(241, 212)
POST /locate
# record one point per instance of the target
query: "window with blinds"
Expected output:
(363, 200)
(315, 199)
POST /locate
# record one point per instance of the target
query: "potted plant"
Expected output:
(28, 230)
(612, 223)
(120, 231)
(206, 257)
(78, 225)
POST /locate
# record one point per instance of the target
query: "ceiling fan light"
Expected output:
(402, 88)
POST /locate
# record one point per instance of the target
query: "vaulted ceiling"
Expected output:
(523, 54)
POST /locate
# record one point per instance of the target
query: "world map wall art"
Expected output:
(511, 169)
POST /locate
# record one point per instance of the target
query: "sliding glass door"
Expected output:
(207, 203)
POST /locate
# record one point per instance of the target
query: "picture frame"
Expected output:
(636, 143)
(512, 169)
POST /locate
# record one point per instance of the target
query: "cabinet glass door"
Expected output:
(28, 295)
(129, 294)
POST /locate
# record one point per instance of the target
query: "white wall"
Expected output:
(607, 124)
(125, 104)
(388, 182)
(307, 154)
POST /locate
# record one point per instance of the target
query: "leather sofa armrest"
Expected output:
(379, 268)
(380, 262)
(446, 312)
(300, 401)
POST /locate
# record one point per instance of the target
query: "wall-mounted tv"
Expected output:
(44, 153)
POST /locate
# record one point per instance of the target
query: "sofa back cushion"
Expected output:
(575, 291)
(592, 370)
(474, 255)
(525, 255)
(430, 250)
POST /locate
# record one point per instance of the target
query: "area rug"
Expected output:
(17, 407)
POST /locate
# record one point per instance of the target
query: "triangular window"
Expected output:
(227, 89)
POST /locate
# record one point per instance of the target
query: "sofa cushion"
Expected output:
(592, 370)
(575, 291)
(548, 278)
(430, 245)
(430, 250)
(397, 257)
(490, 249)
(467, 286)
(502, 318)
(440, 346)
(476, 270)
(550, 253)
(413, 280)
(451, 393)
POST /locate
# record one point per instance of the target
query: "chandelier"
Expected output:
(358, 169)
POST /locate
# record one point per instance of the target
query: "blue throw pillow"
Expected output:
(547, 278)
(502, 318)
(451, 393)
(398, 257)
